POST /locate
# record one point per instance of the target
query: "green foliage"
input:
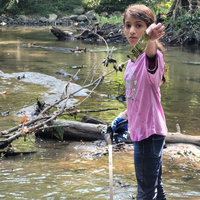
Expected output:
(157, 6)
(59, 132)
(43, 7)
(3, 5)
(107, 5)
(120, 5)
(91, 4)
(114, 5)
(112, 19)
(183, 22)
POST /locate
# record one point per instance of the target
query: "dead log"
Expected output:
(60, 34)
(10, 152)
(92, 120)
(182, 138)
(6, 142)
(73, 130)
(112, 32)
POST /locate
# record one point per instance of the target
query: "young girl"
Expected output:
(143, 77)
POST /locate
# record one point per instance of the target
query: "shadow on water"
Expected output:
(61, 172)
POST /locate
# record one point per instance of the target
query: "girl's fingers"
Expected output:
(150, 29)
(159, 28)
(156, 30)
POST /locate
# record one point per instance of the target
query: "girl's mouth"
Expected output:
(133, 38)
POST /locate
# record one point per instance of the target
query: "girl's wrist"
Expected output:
(151, 48)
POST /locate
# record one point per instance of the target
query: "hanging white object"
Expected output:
(178, 129)
(110, 171)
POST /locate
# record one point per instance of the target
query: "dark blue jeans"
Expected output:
(148, 168)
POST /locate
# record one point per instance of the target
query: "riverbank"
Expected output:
(52, 20)
(182, 155)
(79, 18)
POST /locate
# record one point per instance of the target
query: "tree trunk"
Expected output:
(73, 130)
(190, 5)
(89, 132)
(181, 138)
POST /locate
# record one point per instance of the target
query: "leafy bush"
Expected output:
(91, 4)
(120, 5)
(42, 7)
(45, 7)
(3, 5)
(112, 19)
(157, 6)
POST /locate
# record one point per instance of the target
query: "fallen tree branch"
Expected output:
(90, 131)
(87, 111)
(181, 138)
(8, 141)
(45, 117)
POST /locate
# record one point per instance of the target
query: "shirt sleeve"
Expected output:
(155, 75)
(152, 67)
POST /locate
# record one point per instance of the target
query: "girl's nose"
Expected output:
(132, 30)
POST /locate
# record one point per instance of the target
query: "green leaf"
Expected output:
(60, 131)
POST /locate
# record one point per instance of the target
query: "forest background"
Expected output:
(63, 7)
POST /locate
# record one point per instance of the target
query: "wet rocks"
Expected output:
(52, 17)
(64, 73)
(79, 16)
(79, 11)
(189, 152)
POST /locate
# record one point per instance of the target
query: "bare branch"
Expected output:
(45, 118)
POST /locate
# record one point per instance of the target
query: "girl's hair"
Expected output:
(145, 14)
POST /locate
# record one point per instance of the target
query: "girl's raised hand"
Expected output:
(156, 31)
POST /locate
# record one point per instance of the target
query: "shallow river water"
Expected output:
(59, 172)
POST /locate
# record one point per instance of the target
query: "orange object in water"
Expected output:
(4, 93)
(24, 119)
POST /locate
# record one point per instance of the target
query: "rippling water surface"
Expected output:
(58, 172)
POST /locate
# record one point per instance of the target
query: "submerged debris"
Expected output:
(99, 148)
(64, 73)
(110, 32)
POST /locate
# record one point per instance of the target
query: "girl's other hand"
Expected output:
(156, 31)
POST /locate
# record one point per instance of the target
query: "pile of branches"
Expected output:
(49, 113)
(182, 23)
(110, 32)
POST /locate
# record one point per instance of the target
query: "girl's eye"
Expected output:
(138, 25)
(128, 25)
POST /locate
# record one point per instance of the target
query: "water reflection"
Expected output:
(181, 93)
(58, 173)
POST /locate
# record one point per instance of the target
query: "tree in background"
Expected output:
(3, 5)
(45, 7)
(38, 7)
(107, 5)
(120, 5)
(183, 23)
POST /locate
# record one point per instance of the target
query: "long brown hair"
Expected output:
(145, 14)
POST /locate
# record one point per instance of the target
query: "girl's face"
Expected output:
(133, 29)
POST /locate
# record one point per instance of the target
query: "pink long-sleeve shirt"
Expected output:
(145, 113)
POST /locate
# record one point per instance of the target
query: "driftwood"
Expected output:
(182, 138)
(10, 152)
(110, 32)
(186, 32)
(89, 132)
(49, 113)
(73, 130)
